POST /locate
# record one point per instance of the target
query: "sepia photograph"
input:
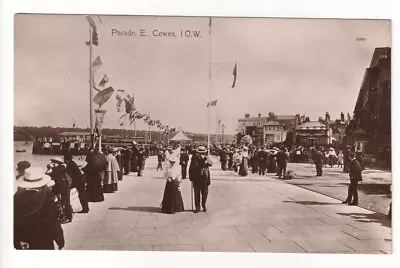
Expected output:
(202, 134)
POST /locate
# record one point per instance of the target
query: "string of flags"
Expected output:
(125, 102)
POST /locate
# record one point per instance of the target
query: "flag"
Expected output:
(95, 36)
(121, 120)
(212, 103)
(103, 81)
(234, 75)
(120, 100)
(96, 64)
(103, 96)
(73, 125)
(129, 104)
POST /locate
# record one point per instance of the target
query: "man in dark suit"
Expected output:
(281, 159)
(126, 156)
(355, 177)
(183, 161)
(223, 158)
(199, 174)
(318, 158)
(263, 161)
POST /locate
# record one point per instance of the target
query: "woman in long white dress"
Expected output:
(244, 168)
(110, 183)
(172, 199)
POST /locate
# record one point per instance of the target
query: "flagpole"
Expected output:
(91, 86)
(209, 89)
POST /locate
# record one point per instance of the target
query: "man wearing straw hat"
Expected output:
(199, 174)
(35, 214)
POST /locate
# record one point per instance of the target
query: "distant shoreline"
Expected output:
(27, 133)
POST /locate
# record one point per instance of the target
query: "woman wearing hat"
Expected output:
(172, 200)
(58, 174)
(78, 181)
(244, 167)
(110, 183)
(35, 214)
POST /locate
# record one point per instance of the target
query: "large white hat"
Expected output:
(57, 160)
(34, 177)
(201, 149)
(173, 157)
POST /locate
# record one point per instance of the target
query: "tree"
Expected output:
(271, 116)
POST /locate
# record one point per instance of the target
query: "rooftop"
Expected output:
(272, 123)
(312, 125)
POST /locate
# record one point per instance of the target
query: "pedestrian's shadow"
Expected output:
(373, 188)
(374, 217)
(140, 209)
(144, 209)
(310, 203)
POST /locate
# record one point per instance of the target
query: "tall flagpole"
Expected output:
(91, 86)
(134, 120)
(209, 89)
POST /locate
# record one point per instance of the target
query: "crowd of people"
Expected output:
(42, 198)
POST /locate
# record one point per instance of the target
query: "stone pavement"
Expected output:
(251, 214)
(374, 191)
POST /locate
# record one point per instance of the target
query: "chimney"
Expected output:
(246, 115)
(327, 117)
(342, 116)
(259, 115)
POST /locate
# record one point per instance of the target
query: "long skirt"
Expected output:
(94, 189)
(244, 168)
(110, 183)
(172, 200)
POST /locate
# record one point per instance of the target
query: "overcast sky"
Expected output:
(287, 66)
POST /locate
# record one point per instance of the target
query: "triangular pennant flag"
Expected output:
(96, 64)
(95, 37)
(212, 103)
(104, 81)
(234, 75)
(103, 96)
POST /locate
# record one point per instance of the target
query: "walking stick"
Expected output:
(191, 193)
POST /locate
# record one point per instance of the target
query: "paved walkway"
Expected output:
(250, 214)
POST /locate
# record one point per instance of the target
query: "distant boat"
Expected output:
(20, 151)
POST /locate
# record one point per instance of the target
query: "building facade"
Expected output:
(267, 129)
(370, 126)
(313, 133)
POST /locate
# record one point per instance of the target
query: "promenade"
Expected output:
(245, 214)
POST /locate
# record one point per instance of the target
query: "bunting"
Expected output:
(95, 36)
(96, 64)
(129, 104)
(212, 103)
(103, 96)
(234, 75)
(104, 81)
